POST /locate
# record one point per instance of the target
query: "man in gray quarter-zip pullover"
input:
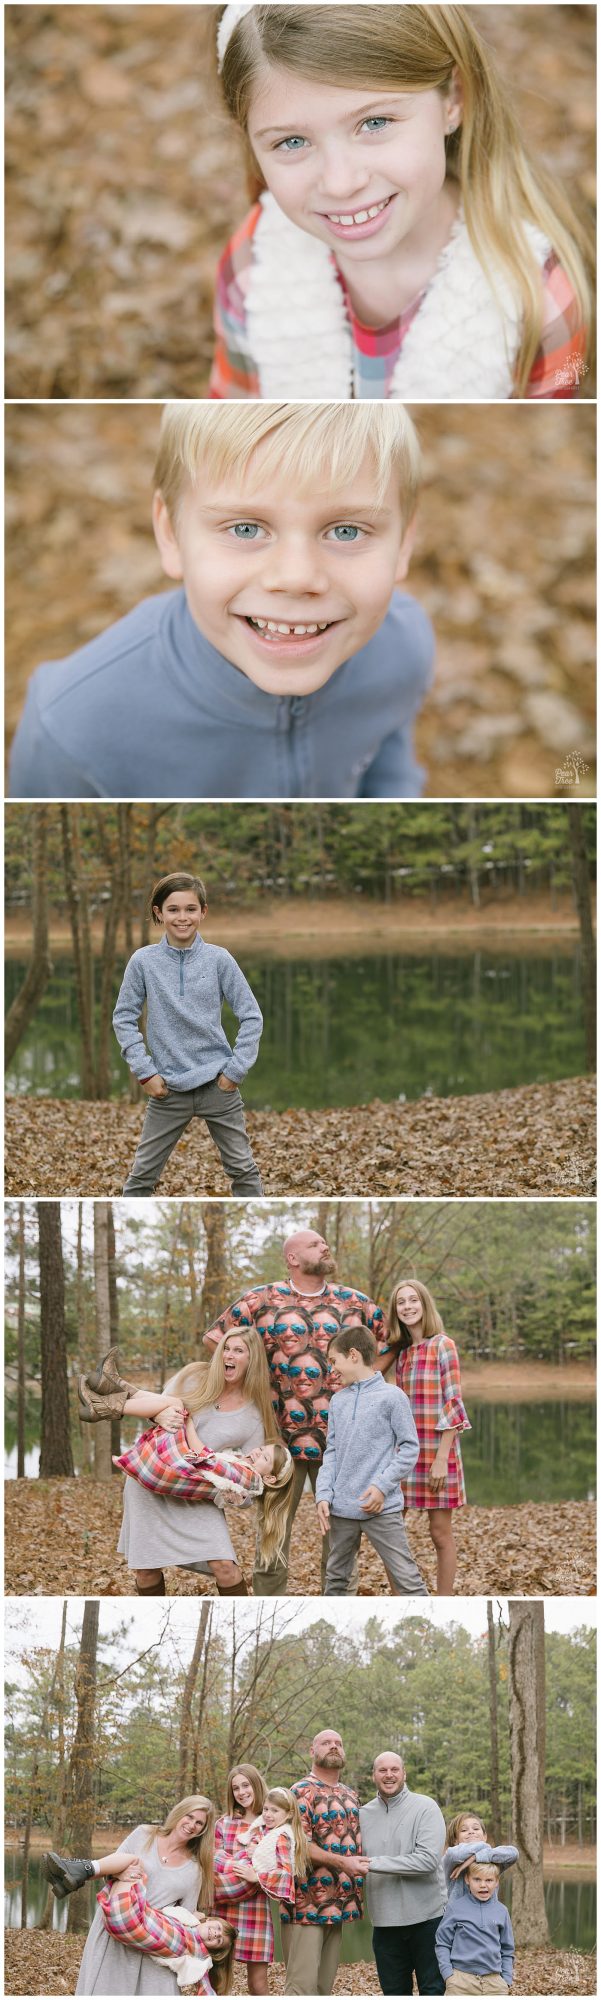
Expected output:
(403, 1833)
(191, 1071)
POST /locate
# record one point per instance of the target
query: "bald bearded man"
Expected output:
(296, 1320)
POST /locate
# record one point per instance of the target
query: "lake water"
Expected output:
(514, 1451)
(571, 1910)
(342, 1030)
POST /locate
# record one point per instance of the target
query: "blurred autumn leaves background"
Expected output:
(504, 564)
(125, 178)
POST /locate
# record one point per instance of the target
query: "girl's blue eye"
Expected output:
(346, 532)
(290, 145)
(376, 124)
(246, 530)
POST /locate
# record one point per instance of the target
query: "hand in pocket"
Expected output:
(155, 1086)
(225, 1083)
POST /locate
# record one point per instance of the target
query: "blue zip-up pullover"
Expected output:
(184, 991)
(475, 1937)
(475, 1850)
(371, 1441)
(149, 709)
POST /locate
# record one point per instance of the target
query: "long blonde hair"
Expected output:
(222, 1960)
(202, 1845)
(423, 48)
(273, 1508)
(432, 1322)
(201, 1383)
(302, 1859)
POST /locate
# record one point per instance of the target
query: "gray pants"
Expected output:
(386, 1532)
(272, 1582)
(166, 1119)
(311, 1956)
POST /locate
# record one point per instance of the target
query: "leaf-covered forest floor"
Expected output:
(504, 565)
(55, 1526)
(539, 1139)
(42, 1962)
(125, 179)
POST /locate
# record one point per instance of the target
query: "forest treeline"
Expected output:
(177, 1717)
(403, 850)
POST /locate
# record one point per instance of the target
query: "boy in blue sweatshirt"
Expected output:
(371, 1445)
(474, 1941)
(191, 1070)
(287, 664)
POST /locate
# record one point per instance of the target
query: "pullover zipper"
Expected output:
(181, 972)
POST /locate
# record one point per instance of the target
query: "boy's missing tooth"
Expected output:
(288, 663)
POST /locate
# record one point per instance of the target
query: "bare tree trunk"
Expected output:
(582, 896)
(82, 1350)
(32, 1800)
(124, 819)
(188, 1696)
(114, 1323)
(214, 1287)
(494, 1729)
(82, 1761)
(527, 1739)
(59, 1814)
(21, 1349)
(77, 901)
(102, 1432)
(56, 1457)
(201, 1701)
(38, 972)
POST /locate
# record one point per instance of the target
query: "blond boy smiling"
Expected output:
(288, 663)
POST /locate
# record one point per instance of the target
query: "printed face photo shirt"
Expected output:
(296, 1336)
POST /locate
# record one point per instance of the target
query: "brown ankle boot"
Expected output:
(151, 1589)
(106, 1378)
(233, 1589)
(93, 1407)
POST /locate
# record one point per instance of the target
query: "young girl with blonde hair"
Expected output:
(403, 243)
(427, 1370)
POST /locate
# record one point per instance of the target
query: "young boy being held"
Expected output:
(372, 1444)
(286, 664)
(191, 1072)
(474, 1941)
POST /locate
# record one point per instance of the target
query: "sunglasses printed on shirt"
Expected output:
(290, 1331)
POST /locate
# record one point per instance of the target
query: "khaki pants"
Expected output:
(473, 1982)
(311, 1956)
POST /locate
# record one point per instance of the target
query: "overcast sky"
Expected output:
(37, 1621)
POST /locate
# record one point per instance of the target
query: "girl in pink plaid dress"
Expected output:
(427, 1370)
(259, 1846)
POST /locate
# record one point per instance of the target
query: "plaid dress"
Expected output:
(554, 377)
(164, 1462)
(131, 1919)
(237, 1901)
(429, 1375)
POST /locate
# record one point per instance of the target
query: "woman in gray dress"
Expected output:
(177, 1862)
(230, 1402)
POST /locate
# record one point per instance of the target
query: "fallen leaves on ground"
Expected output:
(54, 1525)
(42, 1962)
(504, 565)
(539, 1140)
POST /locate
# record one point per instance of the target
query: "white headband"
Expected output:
(229, 21)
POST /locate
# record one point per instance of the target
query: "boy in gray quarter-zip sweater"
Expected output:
(474, 1940)
(403, 1835)
(371, 1445)
(186, 1065)
(290, 664)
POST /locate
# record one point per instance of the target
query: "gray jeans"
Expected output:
(272, 1582)
(166, 1119)
(386, 1532)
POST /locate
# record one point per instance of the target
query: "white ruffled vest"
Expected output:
(461, 346)
(264, 1857)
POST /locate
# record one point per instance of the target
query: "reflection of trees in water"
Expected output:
(529, 1451)
(342, 1030)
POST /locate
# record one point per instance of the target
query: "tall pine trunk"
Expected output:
(495, 1813)
(103, 1465)
(527, 1740)
(21, 1348)
(39, 969)
(82, 1762)
(56, 1457)
(582, 897)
